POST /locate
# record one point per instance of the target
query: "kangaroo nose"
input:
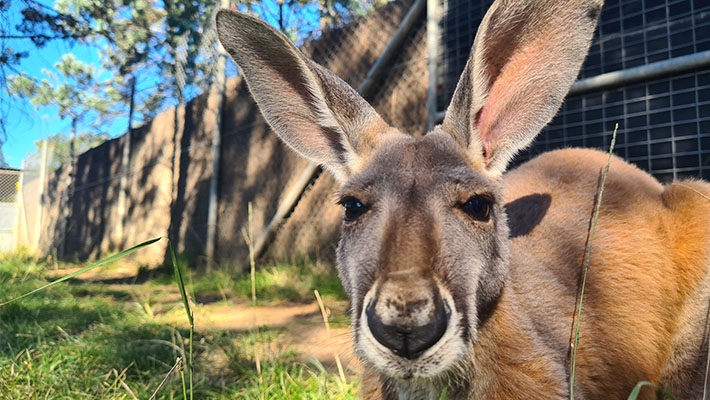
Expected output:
(408, 328)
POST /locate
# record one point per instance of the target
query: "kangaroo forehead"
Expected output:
(426, 163)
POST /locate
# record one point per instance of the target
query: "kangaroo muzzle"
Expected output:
(407, 317)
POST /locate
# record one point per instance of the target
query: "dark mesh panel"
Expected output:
(664, 124)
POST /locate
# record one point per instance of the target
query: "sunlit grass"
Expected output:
(93, 341)
(71, 342)
(279, 282)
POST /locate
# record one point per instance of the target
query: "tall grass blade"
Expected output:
(443, 393)
(248, 239)
(180, 282)
(85, 269)
(637, 391)
(188, 311)
(178, 361)
(252, 263)
(323, 312)
(587, 259)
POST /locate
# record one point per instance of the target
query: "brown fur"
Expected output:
(649, 263)
(507, 280)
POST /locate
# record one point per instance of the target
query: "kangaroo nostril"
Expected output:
(405, 340)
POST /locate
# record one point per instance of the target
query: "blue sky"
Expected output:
(25, 124)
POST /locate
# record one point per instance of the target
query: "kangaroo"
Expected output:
(464, 277)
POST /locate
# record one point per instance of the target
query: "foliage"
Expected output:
(74, 91)
(135, 39)
(304, 19)
(60, 145)
(77, 95)
(39, 25)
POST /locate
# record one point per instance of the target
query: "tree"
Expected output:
(78, 96)
(146, 37)
(38, 24)
(74, 91)
(133, 42)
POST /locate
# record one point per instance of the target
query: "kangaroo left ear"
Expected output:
(310, 108)
(526, 55)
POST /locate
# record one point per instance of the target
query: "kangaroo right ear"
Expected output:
(310, 108)
(526, 55)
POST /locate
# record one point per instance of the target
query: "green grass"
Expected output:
(276, 283)
(578, 307)
(91, 341)
(662, 394)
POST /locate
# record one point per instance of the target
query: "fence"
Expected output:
(171, 161)
(9, 216)
(174, 158)
(647, 70)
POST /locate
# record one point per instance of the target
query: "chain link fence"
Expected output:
(9, 185)
(171, 158)
(312, 229)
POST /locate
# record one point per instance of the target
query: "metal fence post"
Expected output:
(220, 83)
(433, 37)
(125, 170)
(21, 225)
(42, 184)
(67, 196)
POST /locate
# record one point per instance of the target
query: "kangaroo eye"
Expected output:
(353, 209)
(478, 207)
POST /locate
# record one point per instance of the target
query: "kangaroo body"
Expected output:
(647, 294)
(646, 299)
(461, 277)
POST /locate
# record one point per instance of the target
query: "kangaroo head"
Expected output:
(424, 248)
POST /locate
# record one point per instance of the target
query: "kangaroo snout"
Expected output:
(407, 317)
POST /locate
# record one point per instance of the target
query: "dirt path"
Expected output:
(302, 324)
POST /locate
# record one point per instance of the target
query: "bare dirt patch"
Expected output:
(302, 324)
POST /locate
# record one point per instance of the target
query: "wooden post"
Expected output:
(180, 55)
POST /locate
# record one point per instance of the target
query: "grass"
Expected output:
(279, 283)
(659, 390)
(94, 341)
(578, 310)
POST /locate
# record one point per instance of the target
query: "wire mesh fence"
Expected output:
(171, 157)
(9, 185)
(664, 121)
(312, 229)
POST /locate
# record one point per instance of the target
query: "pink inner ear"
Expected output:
(505, 96)
(483, 124)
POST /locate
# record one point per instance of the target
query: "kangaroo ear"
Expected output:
(310, 108)
(525, 57)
